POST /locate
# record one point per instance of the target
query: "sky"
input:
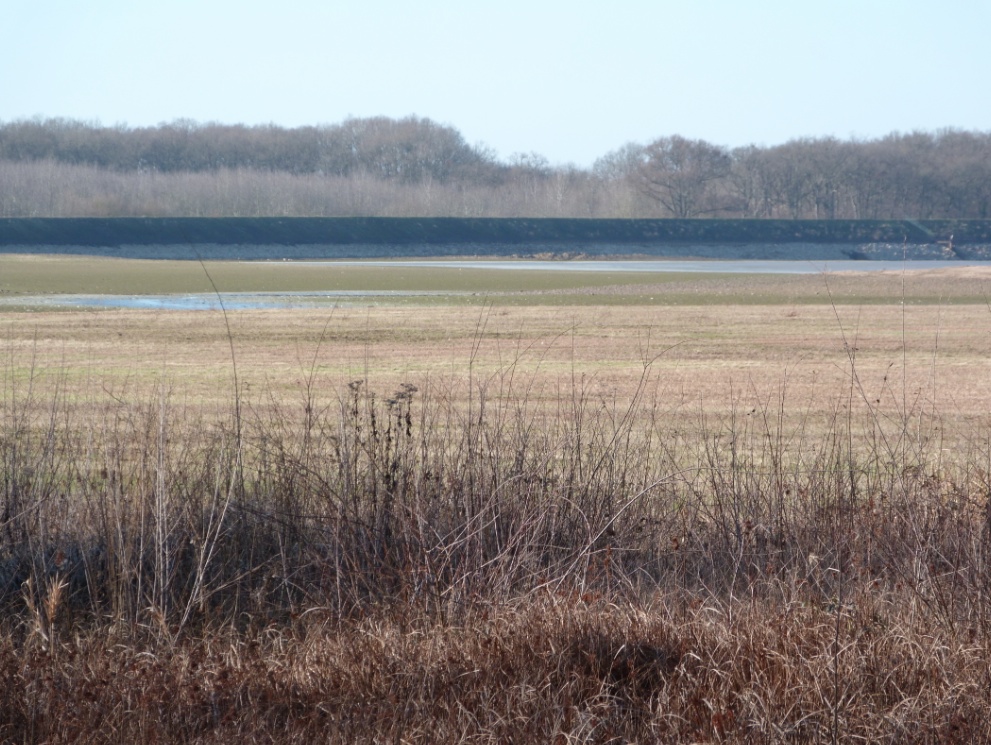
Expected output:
(571, 80)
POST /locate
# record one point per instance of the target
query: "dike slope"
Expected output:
(371, 237)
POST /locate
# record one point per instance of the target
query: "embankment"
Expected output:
(315, 238)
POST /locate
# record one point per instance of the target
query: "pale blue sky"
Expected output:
(570, 80)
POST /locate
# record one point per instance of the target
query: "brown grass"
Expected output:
(753, 524)
(922, 357)
(551, 670)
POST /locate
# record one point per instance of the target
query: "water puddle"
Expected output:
(208, 301)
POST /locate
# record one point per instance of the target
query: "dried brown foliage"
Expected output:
(414, 569)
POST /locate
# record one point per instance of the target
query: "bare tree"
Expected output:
(750, 183)
(679, 173)
(414, 166)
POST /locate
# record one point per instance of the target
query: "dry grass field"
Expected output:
(612, 509)
(907, 359)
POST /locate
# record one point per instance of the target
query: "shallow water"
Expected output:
(210, 301)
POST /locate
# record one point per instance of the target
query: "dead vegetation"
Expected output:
(475, 559)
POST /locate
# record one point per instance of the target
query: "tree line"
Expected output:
(417, 167)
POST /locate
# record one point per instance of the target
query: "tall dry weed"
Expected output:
(490, 563)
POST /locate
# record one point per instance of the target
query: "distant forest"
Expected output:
(414, 167)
